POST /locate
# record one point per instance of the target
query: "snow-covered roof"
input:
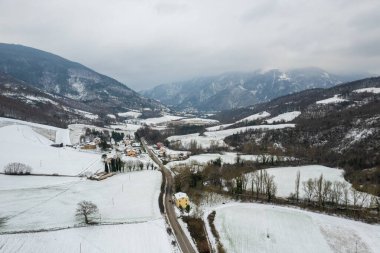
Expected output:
(180, 195)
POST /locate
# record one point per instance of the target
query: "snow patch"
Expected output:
(374, 90)
(285, 117)
(334, 100)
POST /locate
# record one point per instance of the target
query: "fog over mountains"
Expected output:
(234, 90)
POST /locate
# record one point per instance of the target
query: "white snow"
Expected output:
(286, 176)
(203, 159)
(19, 143)
(161, 120)
(217, 137)
(40, 99)
(199, 121)
(111, 116)
(63, 136)
(144, 237)
(8, 121)
(335, 99)
(355, 135)
(180, 195)
(126, 127)
(283, 76)
(218, 127)
(59, 135)
(284, 117)
(374, 90)
(202, 141)
(129, 197)
(224, 133)
(256, 116)
(88, 115)
(9, 183)
(226, 157)
(130, 114)
(266, 228)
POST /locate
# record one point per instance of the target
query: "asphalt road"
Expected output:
(182, 239)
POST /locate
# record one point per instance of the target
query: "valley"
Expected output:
(88, 164)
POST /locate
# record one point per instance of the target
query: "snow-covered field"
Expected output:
(335, 99)
(286, 176)
(199, 121)
(256, 116)
(144, 237)
(228, 132)
(202, 159)
(218, 127)
(369, 90)
(50, 202)
(9, 183)
(160, 120)
(265, 228)
(284, 117)
(19, 143)
(216, 137)
(202, 141)
(130, 114)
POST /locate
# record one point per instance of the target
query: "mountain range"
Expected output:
(235, 90)
(34, 78)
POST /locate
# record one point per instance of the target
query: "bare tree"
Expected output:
(346, 193)
(297, 188)
(363, 198)
(318, 189)
(355, 196)
(308, 188)
(244, 179)
(270, 187)
(326, 191)
(337, 192)
(86, 209)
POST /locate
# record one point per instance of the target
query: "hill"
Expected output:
(58, 82)
(338, 127)
(235, 90)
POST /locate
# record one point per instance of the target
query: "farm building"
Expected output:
(181, 200)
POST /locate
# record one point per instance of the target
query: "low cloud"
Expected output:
(144, 42)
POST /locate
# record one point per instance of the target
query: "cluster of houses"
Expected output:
(128, 146)
(169, 155)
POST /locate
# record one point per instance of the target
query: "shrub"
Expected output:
(17, 169)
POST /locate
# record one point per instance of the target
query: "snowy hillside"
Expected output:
(144, 237)
(216, 137)
(267, 229)
(21, 143)
(50, 203)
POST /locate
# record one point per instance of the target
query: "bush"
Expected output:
(17, 169)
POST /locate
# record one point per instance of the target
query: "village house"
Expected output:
(131, 152)
(89, 146)
(136, 144)
(181, 200)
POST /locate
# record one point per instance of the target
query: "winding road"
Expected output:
(182, 239)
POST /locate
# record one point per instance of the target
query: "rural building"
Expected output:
(160, 145)
(89, 146)
(136, 144)
(131, 152)
(181, 200)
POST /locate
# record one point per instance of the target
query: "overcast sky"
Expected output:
(143, 43)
